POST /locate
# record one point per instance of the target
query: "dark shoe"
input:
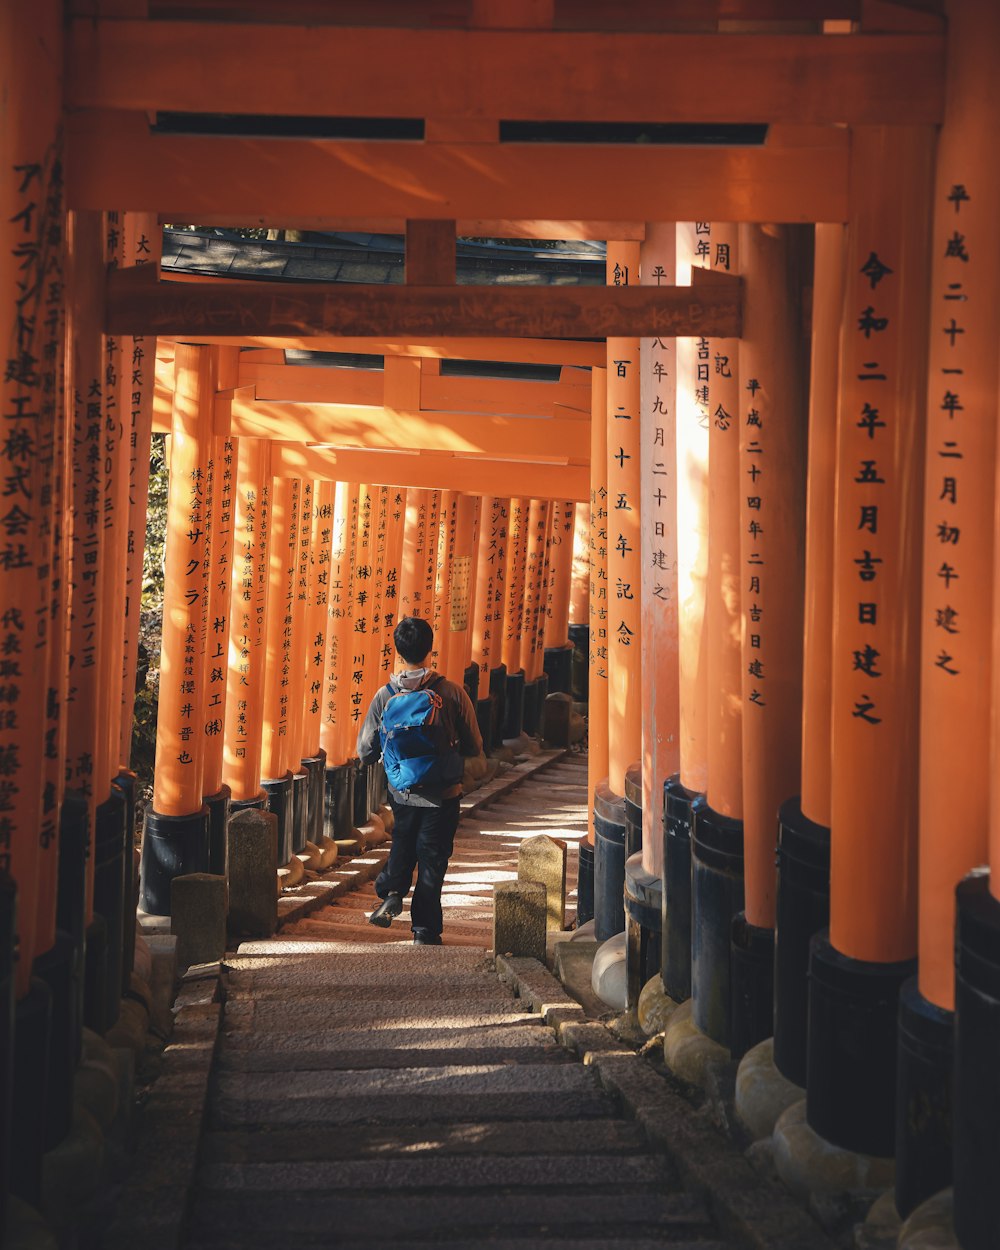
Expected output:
(424, 937)
(390, 906)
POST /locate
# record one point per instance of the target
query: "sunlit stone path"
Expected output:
(369, 1092)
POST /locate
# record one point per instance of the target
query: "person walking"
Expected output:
(423, 727)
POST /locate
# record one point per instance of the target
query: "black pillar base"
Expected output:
(257, 803)
(579, 636)
(315, 767)
(643, 903)
(470, 680)
(851, 1086)
(279, 802)
(95, 976)
(532, 707)
(977, 1073)
(71, 906)
(584, 884)
(338, 806)
(32, 1033)
(923, 1099)
(752, 971)
(558, 666)
(218, 821)
(498, 693)
(513, 722)
(8, 911)
(802, 909)
(716, 898)
(633, 810)
(172, 846)
(679, 808)
(361, 811)
(300, 811)
(128, 783)
(57, 968)
(484, 719)
(609, 862)
(109, 893)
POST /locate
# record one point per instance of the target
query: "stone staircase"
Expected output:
(369, 1092)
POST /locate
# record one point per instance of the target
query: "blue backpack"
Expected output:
(419, 743)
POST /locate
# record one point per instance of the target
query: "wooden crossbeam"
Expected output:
(308, 70)
(470, 474)
(138, 304)
(477, 228)
(507, 350)
(112, 159)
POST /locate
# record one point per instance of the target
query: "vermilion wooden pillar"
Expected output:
(533, 609)
(380, 540)
(430, 556)
(558, 648)
(597, 655)
(803, 888)
(317, 607)
(488, 616)
(958, 788)
(458, 623)
(395, 524)
(684, 793)
(517, 550)
(773, 426)
(355, 697)
(579, 602)
(337, 731)
(241, 770)
(414, 559)
(175, 838)
(297, 690)
(442, 577)
(854, 976)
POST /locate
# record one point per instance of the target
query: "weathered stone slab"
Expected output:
(198, 917)
(543, 859)
(519, 918)
(252, 862)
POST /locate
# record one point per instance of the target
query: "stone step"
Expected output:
(462, 1172)
(576, 1215)
(433, 1141)
(543, 1240)
(517, 1034)
(353, 1013)
(289, 1059)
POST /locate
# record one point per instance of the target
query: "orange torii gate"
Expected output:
(828, 127)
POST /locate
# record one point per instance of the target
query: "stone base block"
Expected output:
(762, 1093)
(519, 911)
(930, 1226)
(328, 852)
(289, 874)
(252, 859)
(72, 1173)
(655, 1007)
(881, 1226)
(689, 1053)
(198, 907)
(143, 959)
(543, 859)
(311, 856)
(25, 1229)
(809, 1165)
(608, 976)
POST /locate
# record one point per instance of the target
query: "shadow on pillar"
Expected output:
(680, 805)
(56, 967)
(579, 636)
(300, 811)
(219, 806)
(513, 722)
(110, 836)
(95, 975)
(71, 904)
(172, 846)
(609, 862)
(8, 914)
(716, 900)
(558, 667)
(925, 1073)
(361, 810)
(279, 802)
(977, 1072)
(498, 693)
(470, 680)
(584, 884)
(535, 694)
(32, 1033)
(802, 909)
(643, 902)
(315, 767)
(751, 957)
(485, 716)
(851, 1086)
(128, 783)
(258, 802)
(338, 806)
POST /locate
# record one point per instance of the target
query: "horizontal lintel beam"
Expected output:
(112, 159)
(138, 304)
(573, 76)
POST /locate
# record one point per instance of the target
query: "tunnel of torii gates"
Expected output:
(758, 504)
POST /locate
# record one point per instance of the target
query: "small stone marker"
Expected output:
(544, 859)
(198, 917)
(252, 860)
(519, 918)
(556, 713)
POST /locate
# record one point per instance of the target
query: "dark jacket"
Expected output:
(470, 740)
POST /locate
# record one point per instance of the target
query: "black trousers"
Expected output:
(422, 838)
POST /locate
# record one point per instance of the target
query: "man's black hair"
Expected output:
(413, 638)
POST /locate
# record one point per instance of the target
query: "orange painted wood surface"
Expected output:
(579, 597)
(112, 158)
(337, 730)
(317, 616)
(558, 597)
(280, 591)
(597, 659)
(138, 304)
(515, 570)
(220, 559)
(488, 610)
(311, 70)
